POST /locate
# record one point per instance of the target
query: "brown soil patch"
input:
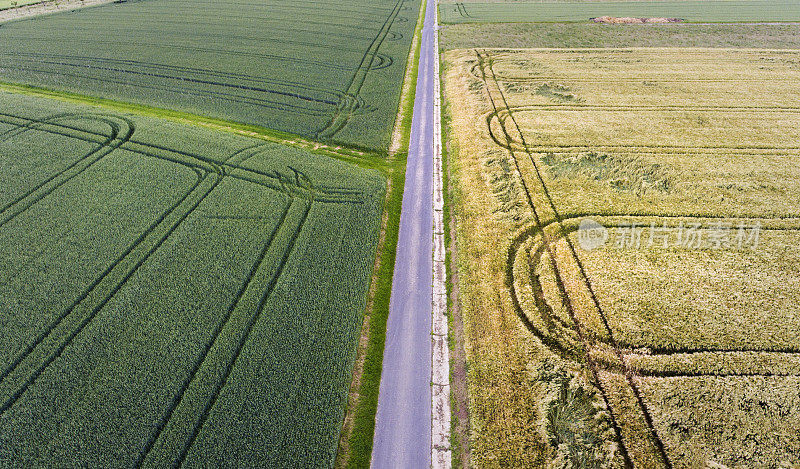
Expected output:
(627, 20)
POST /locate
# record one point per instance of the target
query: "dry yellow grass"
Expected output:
(541, 139)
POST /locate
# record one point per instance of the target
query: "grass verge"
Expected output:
(356, 451)
(459, 401)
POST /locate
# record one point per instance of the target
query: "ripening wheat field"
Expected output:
(174, 295)
(672, 341)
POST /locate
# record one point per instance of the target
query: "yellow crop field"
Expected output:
(629, 245)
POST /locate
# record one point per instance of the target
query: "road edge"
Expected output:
(355, 449)
(441, 454)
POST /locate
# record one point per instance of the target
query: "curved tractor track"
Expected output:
(349, 103)
(190, 407)
(584, 336)
(120, 131)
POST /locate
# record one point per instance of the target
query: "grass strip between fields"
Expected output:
(357, 452)
(364, 159)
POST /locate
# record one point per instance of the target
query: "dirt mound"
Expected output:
(615, 20)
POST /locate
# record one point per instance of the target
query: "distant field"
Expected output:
(560, 11)
(533, 35)
(662, 349)
(322, 69)
(172, 294)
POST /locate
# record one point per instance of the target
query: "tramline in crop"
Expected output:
(214, 259)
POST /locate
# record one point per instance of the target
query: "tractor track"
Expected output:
(587, 342)
(345, 108)
(49, 344)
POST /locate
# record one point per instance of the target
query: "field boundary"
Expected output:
(45, 7)
(360, 157)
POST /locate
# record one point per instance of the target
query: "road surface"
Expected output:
(403, 420)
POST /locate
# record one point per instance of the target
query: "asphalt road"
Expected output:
(403, 420)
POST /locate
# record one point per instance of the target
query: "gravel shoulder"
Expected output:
(47, 8)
